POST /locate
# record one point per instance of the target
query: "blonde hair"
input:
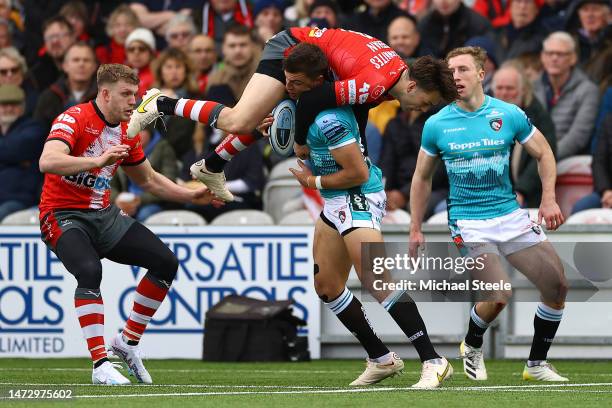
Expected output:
(478, 54)
(123, 9)
(12, 54)
(113, 73)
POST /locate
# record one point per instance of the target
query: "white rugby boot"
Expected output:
(107, 374)
(473, 362)
(542, 372)
(145, 113)
(131, 356)
(376, 372)
(433, 373)
(214, 181)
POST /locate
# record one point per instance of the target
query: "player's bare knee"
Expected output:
(326, 289)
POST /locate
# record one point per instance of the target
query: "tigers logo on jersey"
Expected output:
(496, 124)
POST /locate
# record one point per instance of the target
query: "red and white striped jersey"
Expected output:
(87, 134)
(366, 68)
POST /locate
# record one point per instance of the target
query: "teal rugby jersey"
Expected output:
(334, 128)
(475, 148)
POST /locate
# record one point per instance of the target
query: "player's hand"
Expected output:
(303, 174)
(203, 196)
(301, 151)
(551, 213)
(112, 155)
(264, 126)
(416, 241)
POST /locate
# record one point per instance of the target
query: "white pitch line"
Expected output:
(200, 370)
(298, 387)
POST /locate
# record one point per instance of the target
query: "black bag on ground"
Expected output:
(243, 329)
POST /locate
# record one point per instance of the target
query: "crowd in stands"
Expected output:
(550, 57)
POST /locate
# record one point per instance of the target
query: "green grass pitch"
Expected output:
(182, 384)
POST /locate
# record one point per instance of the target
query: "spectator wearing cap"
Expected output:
(78, 85)
(450, 24)
(525, 31)
(511, 84)
(121, 23)
(203, 56)
(324, 14)
(21, 142)
(180, 31)
(492, 61)
(567, 94)
(268, 18)
(59, 36)
(140, 52)
(405, 39)
(375, 19)
(216, 16)
(590, 24)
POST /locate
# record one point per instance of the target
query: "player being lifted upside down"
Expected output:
(474, 137)
(366, 71)
(85, 147)
(355, 200)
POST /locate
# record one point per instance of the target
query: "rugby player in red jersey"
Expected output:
(86, 145)
(364, 71)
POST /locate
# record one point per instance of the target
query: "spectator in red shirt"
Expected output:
(121, 23)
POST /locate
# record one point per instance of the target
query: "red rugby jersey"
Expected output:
(87, 134)
(366, 67)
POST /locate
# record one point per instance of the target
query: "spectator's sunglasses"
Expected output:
(12, 71)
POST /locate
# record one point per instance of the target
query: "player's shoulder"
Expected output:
(81, 111)
(503, 106)
(340, 114)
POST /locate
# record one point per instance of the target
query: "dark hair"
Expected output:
(432, 74)
(239, 30)
(58, 20)
(307, 59)
(75, 8)
(179, 55)
(113, 73)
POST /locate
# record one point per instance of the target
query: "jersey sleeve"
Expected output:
(334, 131)
(371, 84)
(428, 139)
(523, 128)
(136, 155)
(66, 128)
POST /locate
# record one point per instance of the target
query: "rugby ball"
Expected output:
(282, 131)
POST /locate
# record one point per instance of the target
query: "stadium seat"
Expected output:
(592, 216)
(277, 193)
(574, 181)
(243, 217)
(23, 217)
(301, 217)
(440, 218)
(176, 217)
(281, 170)
(396, 217)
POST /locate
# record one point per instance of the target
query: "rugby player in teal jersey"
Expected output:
(355, 200)
(474, 136)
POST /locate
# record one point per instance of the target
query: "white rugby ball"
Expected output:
(282, 131)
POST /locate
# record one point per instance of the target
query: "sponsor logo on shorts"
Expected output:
(536, 228)
(496, 124)
(342, 217)
(65, 222)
